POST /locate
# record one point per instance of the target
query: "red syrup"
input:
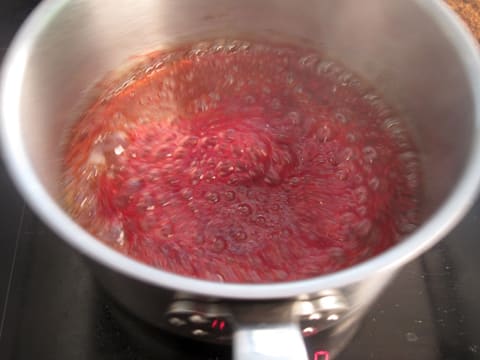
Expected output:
(243, 162)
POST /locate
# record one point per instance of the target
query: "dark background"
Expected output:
(51, 307)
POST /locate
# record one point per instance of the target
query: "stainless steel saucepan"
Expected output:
(415, 51)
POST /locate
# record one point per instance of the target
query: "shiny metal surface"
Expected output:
(277, 342)
(409, 49)
(267, 331)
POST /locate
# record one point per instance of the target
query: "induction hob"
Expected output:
(52, 308)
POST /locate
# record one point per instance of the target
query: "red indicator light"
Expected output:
(322, 355)
(220, 324)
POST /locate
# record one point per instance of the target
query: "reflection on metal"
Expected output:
(280, 342)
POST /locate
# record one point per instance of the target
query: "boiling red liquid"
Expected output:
(242, 162)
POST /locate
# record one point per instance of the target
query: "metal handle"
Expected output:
(271, 342)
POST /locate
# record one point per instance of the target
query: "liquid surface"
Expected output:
(242, 162)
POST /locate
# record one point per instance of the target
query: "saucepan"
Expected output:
(417, 53)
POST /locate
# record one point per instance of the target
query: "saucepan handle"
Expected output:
(269, 342)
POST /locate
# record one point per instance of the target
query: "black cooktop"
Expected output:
(52, 308)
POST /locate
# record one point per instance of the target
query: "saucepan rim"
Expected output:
(30, 187)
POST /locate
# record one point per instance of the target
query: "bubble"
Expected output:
(280, 274)
(342, 174)
(224, 168)
(240, 235)
(299, 90)
(187, 193)
(275, 207)
(142, 101)
(374, 183)
(358, 179)
(325, 66)
(97, 157)
(199, 49)
(371, 97)
(241, 166)
(308, 61)
(361, 194)
(200, 105)
(193, 207)
(363, 227)
(408, 156)
(233, 180)
(195, 176)
(295, 181)
(413, 181)
(148, 222)
(411, 215)
(341, 117)
(209, 177)
(113, 233)
(293, 118)
(244, 45)
(218, 244)
(276, 104)
(404, 225)
(244, 209)
(249, 100)
(361, 210)
(150, 208)
(213, 197)
(165, 199)
(166, 230)
(351, 138)
(123, 86)
(347, 154)
(260, 220)
(324, 133)
(398, 134)
(391, 124)
(180, 153)
(209, 141)
(352, 243)
(133, 185)
(215, 276)
(229, 195)
(332, 159)
(290, 78)
(169, 82)
(369, 153)
(189, 76)
(338, 254)
(272, 177)
(345, 78)
(238, 151)
(120, 240)
(161, 152)
(347, 218)
(214, 96)
(198, 239)
(233, 46)
(120, 118)
(287, 232)
(229, 79)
